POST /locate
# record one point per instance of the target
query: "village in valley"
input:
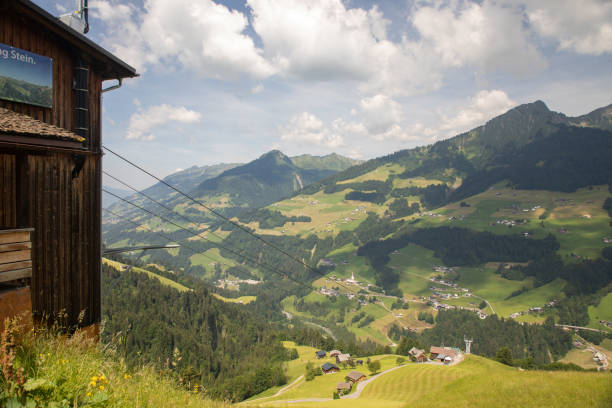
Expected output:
(437, 355)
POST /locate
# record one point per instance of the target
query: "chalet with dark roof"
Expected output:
(320, 354)
(50, 165)
(329, 368)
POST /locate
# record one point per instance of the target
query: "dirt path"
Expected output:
(486, 301)
(362, 384)
(294, 383)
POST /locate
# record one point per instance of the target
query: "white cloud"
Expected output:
(489, 35)
(482, 107)
(308, 129)
(323, 40)
(583, 26)
(202, 36)
(379, 121)
(144, 121)
(257, 89)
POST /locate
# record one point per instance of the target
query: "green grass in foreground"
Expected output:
(479, 382)
(66, 370)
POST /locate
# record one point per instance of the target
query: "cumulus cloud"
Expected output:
(144, 121)
(379, 120)
(486, 35)
(482, 107)
(325, 40)
(582, 26)
(306, 128)
(202, 36)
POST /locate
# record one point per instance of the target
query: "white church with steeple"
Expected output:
(351, 279)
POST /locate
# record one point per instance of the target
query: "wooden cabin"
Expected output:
(51, 83)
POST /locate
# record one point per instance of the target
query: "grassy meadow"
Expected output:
(164, 281)
(321, 386)
(478, 382)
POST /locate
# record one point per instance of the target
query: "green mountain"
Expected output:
(233, 187)
(600, 118)
(511, 213)
(269, 178)
(329, 162)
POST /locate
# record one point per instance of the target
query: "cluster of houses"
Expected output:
(444, 355)
(607, 240)
(329, 292)
(535, 309)
(341, 358)
(508, 223)
(443, 269)
(442, 281)
(453, 218)
(222, 283)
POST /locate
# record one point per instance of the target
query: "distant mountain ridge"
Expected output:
(235, 187)
(270, 177)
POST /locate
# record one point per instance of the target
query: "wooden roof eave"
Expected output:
(112, 67)
(37, 142)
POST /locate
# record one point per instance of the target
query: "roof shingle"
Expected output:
(23, 125)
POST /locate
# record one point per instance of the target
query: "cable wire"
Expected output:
(244, 229)
(218, 214)
(257, 262)
(170, 239)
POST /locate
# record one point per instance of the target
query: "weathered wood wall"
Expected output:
(8, 189)
(65, 214)
(38, 189)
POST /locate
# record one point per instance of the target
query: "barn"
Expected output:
(51, 85)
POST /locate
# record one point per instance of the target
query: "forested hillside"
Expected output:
(509, 219)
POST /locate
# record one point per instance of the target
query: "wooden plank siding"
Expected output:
(57, 189)
(65, 214)
(15, 255)
(38, 189)
(8, 181)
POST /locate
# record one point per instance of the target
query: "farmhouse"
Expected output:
(417, 355)
(442, 354)
(320, 354)
(343, 387)
(334, 353)
(50, 167)
(329, 368)
(355, 376)
(343, 358)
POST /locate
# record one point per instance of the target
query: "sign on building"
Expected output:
(25, 77)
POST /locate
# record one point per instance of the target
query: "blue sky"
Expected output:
(226, 81)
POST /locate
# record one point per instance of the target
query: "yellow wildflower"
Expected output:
(89, 394)
(94, 378)
(101, 388)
